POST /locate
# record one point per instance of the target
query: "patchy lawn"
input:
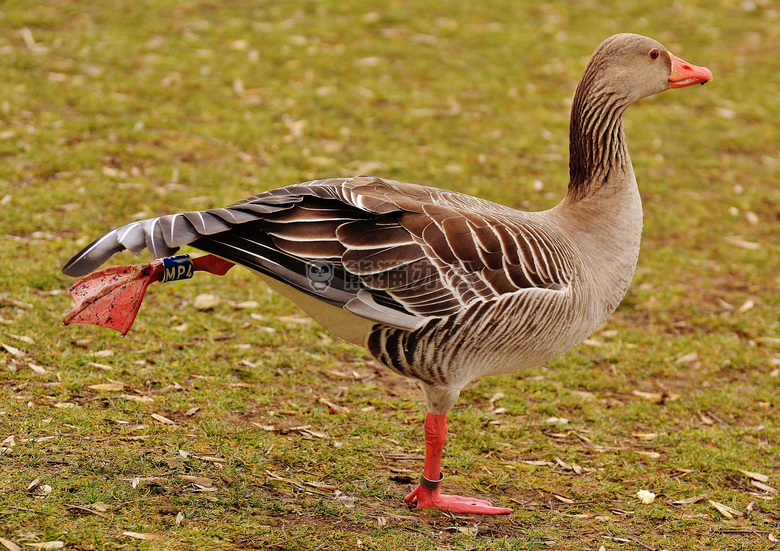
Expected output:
(236, 423)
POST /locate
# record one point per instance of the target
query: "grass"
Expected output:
(110, 111)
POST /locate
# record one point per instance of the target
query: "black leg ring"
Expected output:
(429, 484)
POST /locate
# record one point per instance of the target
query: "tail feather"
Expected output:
(93, 255)
(164, 235)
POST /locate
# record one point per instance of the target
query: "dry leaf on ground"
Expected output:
(210, 458)
(686, 359)
(755, 476)
(109, 387)
(37, 368)
(295, 319)
(538, 463)
(79, 510)
(162, 419)
(645, 435)
(8, 544)
(725, 510)
(649, 396)
(763, 487)
(140, 536)
(11, 350)
(335, 407)
(690, 500)
(747, 305)
(205, 302)
(200, 480)
(738, 242)
(37, 489)
(136, 398)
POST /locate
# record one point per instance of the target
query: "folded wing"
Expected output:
(394, 253)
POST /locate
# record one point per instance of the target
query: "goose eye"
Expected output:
(654, 53)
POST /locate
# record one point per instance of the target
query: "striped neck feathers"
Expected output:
(597, 150)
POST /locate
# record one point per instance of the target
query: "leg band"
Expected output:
(429, 484)
(176, 268)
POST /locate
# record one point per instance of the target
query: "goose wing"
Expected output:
(393, 253)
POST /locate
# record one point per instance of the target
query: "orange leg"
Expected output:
(427, 495)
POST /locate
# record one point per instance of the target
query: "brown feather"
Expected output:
(305, 231)
(315, 250)
(373, 261)
(373, 234)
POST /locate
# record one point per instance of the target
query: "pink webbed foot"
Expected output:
(433, 499)
(112, 297)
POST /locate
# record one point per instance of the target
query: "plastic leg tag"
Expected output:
(177, 267)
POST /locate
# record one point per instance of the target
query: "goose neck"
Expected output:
(598, 152)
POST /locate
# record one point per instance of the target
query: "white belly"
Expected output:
(338, 321)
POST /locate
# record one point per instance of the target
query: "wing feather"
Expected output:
(395, 253)
(312, 249)
(319, 230)
(132, 237)
(375, 261)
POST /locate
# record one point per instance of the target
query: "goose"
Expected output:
(438, 286)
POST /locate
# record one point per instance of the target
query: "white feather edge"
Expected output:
(366, 306)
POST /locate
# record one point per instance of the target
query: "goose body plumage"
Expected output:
(441, 286)
(438, 285)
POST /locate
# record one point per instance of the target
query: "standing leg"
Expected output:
(427, 495)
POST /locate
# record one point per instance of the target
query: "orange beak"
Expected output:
(685, 74)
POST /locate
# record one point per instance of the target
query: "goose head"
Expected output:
(632, 67)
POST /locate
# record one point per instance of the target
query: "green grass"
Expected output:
(115, 110)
